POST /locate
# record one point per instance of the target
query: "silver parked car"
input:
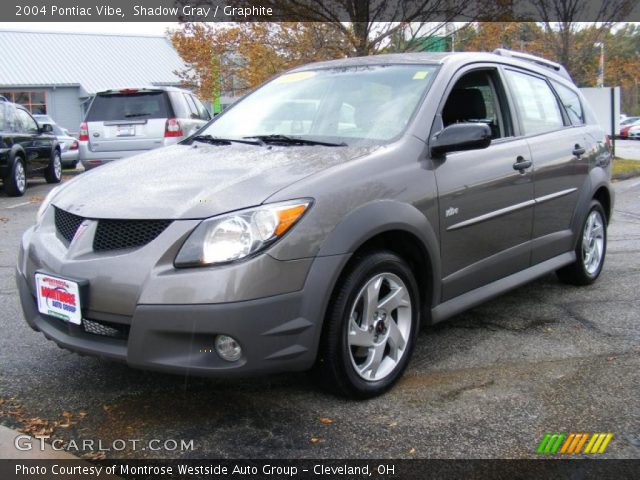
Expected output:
(324, 217)
(124, 122)
(69, 145)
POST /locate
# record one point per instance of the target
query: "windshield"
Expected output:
(373, 102)
(7, 117)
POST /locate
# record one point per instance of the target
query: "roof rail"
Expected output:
(556, 67)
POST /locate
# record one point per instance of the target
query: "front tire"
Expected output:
(53, 173)
(371, 326)
(590, 251)
(16, 182)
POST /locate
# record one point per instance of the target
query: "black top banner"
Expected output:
(319, 10)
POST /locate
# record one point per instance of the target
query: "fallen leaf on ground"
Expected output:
(326, 420)
(412, 451)
(94, 455)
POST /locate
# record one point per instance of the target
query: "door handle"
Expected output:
(578, 150)
(522, 164)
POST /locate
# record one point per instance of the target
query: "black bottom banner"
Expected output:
(318, 469)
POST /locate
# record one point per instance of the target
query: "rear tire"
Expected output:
(371, 326)
(53, 173)
(16, 182)
(590, 251)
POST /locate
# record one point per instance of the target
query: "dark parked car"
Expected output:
(26, 149)
(324, 217)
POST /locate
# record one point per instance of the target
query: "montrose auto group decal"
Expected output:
(58, 297)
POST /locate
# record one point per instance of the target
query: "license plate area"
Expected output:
(125, 130)
(60, 297)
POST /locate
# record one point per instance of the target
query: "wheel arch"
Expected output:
(17, 151)
(397, 227)
(603, 195)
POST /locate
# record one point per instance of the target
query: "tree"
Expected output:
(569, 38)
(234, 58)
(369, 26)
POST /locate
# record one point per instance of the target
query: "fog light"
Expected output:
(228, 348)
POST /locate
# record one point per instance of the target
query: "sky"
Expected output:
(123, 28)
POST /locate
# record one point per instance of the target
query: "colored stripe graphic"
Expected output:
(598, 442)
(573, 443)
(550, 443)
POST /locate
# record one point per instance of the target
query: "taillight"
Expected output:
(74, 145)
(173, 128)
(84, 132)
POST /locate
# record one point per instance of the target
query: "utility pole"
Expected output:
(601, 65)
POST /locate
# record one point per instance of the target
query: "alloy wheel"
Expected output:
(20, 177)
(593, 242)
(379, 326)
(57, 166)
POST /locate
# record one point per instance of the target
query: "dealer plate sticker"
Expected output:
(59, 298)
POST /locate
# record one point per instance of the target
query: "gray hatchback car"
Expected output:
(325, 217)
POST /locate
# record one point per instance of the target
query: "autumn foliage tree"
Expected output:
(237, 57)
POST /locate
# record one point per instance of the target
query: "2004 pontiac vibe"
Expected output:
(323, 218)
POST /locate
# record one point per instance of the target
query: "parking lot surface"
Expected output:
(490, 383)
(629, 149)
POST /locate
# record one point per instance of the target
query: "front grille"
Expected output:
(67, 223)
(106, 329)
(112, 234)
(119, 234)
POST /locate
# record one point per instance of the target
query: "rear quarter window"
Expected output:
(131, 106)
(571, 102)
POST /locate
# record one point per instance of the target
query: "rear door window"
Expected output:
(129, 106)
(536, 103)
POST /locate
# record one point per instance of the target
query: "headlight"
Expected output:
(239, 235)
(45, 204)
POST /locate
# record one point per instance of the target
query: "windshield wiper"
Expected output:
(223, 141)
(278, 139)
(131, 115)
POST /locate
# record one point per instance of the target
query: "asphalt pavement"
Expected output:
(490, 383)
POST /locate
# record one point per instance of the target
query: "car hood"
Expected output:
(195, 181)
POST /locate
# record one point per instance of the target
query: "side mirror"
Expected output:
(46, 128)
(461, 136)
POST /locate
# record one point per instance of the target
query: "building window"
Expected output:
(34, 101)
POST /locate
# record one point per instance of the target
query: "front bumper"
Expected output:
(277, 333)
